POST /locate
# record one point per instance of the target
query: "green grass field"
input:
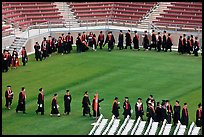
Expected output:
(117, 73)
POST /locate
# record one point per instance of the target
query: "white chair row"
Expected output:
(101, 127)
(148, 127)
(191, 128)
(128, 127)
(114, 127)
(153, 129)
(123, 125)
(140, 128)
(135, 126)
(195, 131)
(96, 125)
(167, 129)
(162, 128)
(181, 130)
(109, 125)
(177, 128)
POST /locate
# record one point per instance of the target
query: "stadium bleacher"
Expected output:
(24, 14)
(185, 14)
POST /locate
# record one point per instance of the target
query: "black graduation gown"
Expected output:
(158, 114)
(196, 48)
(120, 41)
(136, 42)
(79, 44)
(164, 42)
(40, 103)
(126, 110)
(199, 118)
(9, 98)
(180, 46)
(115, 109)
(163, 113)
(150, 114)
(128, 40)
(110, 42)
(168, 43)
(85, 105)
(100, 40)
(154, 40)
(184, 117)
(139, 112)
(159, 42)
(21, 102)
(184, 45)
(54, 109)
(176, 115)
(145, 42)
(98, 111)
(37, 52)
(169, 113)
(67, 102)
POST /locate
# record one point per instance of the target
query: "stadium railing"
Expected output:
(96, 125)
(109, 125)
(123, 125)
(128, 127)
(101, 127)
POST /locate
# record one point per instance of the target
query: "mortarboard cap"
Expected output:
(199, 105)
(55, 94)
(9, 86)
(139, 99)
(116, 98)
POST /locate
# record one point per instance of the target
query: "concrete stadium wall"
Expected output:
(6, 41)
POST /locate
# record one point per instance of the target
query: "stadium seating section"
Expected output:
(24, 14)
(112, 11)
(181, 14)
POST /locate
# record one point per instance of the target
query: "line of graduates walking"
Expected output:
(158, 112)
(188, 45)
(12, 60)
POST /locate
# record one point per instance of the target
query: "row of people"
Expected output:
(12, 60)
(158, 112)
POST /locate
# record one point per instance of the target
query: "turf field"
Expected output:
(117, 73)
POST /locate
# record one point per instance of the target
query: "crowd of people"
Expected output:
(12, 60)
(158, 111)
(84, 42)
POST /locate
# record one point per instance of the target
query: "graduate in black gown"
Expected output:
(67, 102)
(196, 47)
(163, 110)
(37, 51)
(169, 111)
(164, 41)
(128, 40)
(110, 40)
(54, 106)
(169, 43)
(139, 112)
(85, 104)
(9, 97)
(176, 115)
(127, 108)
(150, 112)
(180, 45)
(184, 117)
(199, 116)
(158, 113)
(21, 101)
(159, 42)
(100, 39)
(154, 40)
(145, 41)
(40, 102)
(136, 41)
(120, 40)
(116, 107)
